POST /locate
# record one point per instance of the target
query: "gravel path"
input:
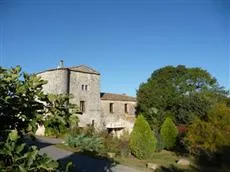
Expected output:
(81, 163)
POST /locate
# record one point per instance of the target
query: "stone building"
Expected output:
(112, 112)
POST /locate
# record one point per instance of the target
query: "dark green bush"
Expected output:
(169, 133)
(142, 141)
(160, 143)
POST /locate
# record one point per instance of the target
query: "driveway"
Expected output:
(81, 163)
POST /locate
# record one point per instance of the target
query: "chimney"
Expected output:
(61, 64)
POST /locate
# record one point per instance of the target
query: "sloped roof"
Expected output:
(81, 68)
(117, 97)
(84, 69)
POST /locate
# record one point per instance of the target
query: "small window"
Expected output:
(111, 107)
(82, 87)
(82, 106)
(86, 87)
(126, 108)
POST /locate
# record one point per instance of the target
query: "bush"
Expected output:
(212, 134)
(142, 141)
(21, 100)
(160, 143)
(60, 118)
(16, 156)
(118, 146)
(169, 133)
(85, 143)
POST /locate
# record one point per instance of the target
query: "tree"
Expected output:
(22, 105)
(179, 90)
(21, 99)
(211, 134)
(142, 140)
(168, 133)
(61, 116)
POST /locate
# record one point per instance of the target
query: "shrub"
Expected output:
(16, 156)
(169, 133)
(160, 143)
(85, 143)
(21, 100)
(60, 118)
(142, 141)
(119, 146)
(212, 134)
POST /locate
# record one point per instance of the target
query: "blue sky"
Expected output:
(124, 40)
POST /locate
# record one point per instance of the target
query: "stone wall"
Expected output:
(90, 95)
(118, 108)
(57, 81)
(118, 119)
(85, 86)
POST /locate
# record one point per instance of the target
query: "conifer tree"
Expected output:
(142, 141)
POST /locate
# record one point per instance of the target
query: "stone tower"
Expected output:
(83, 83)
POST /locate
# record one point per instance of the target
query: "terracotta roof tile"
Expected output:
(117, 97)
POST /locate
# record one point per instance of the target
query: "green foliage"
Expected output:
(142, 140)
(85, 143)
(155, 118)
(169, 133)
(119, 146)
(21, 99)
(182, 91)
(22, 106)
(16, 156)
(61, 115)
(211, 134)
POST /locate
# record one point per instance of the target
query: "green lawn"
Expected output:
(163, 158)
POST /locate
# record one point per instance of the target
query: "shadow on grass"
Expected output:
(212, 162)
(219, 159)
(173, 168)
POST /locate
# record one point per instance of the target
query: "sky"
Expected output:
(124, 40)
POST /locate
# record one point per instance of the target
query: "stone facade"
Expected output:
(84, 84)
(118, 113)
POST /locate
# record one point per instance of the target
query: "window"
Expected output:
(84, 87)
(111, 107)
(126, 108)
(82, 106)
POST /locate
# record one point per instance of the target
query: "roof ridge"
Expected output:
(80, 68)
(84, 67)
(115, 96)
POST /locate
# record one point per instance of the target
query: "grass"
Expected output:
(163, 158)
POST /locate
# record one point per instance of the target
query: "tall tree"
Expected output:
(180, 90)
